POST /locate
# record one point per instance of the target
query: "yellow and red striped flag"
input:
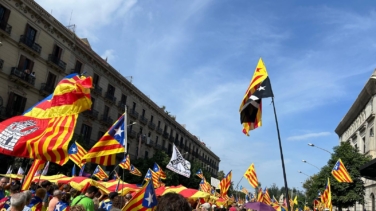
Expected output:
(266, 196)
(205, 186)
(112, 142)
(157, 169)
(200, 174)
(100, 173)
(144, 200)
(125, 163)
(76, 152)
(225, 184)
(44, 130)
(326, 196)
(133, 170)
(340, 172)
(151, 175)
(251, 106)
(251, 176)
(37, 165)
(260, 195)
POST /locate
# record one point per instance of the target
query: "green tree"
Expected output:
(343, 194)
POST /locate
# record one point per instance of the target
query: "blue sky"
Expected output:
(197, 58)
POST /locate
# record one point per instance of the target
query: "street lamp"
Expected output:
(304, 161)
(133, 123)
(304, 173)
(312, 145)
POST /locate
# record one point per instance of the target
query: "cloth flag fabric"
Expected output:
(326, 196)
(200, 174)
(35, 167)
(45, 170)
(20, 171)
(266, 197)
(340, 172)
(4, 203)
(144, 200)
(112, 142)
(158, 169)
(133, 170)
(44, 130)
(100, 173)
(148, 175)
(125, 163)
(151, 175)
(82, 170)
(205, 186)
(62, 206)
(74, 170)
(178, 164)
(251, 176)
(10, 169)
(76, 153)
(35, 204)
(225, 184)
(260, 195)
(251, 106)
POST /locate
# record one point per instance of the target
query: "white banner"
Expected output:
(178, 164)
(214, 182)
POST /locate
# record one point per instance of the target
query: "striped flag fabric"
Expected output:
(148, 175)
(45, 170)
(133, 170)
(144, 200)
(36, 204)
(151, 175)
(251, 106)
(225, 183)
(266, 196)
(44, 130)
(251, 176)
(326, 196)
(100, 173)
(112, 142)
(260, 195)
(200, 174)
(125, 163)
(76, 153)
(205, 186)
(340, 172)
(157, 169)
(35, 167)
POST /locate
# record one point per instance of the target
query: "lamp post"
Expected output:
(312, 145)
(304, 173)
(304, 161)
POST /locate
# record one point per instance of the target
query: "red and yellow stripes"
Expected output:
(126, 163)
(225, 184)
(205, 186)
(133, 170)
(77, 157)
(136, 202)
(100, 173)
(326, 196)
(37, 165)
(104, 151)
(251, 176)
(340, 172)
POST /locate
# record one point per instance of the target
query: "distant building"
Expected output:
(358, 128)
(37, 51)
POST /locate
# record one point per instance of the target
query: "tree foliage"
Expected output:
(343, 194)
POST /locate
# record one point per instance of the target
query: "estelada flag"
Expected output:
(251, 106)
(340, 172)
(43, 132)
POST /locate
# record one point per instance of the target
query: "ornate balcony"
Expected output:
(151, 126)
(132, 133)
(21, 77)
(97, 90)
(29, 45)
(5, 29)
(106, 120)
(166, 135)
(45, 89)
(92, 114)
(159, 131)
(133, 113)
(143, 120)
(56, 63)
(110, 98)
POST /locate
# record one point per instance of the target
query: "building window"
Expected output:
(25, 64)
(159, 124)
(30, 35)
(100, 134)
(86, 132)
(146, 154)
(371, 132)
(16, 104)
(56, 52)
(4, 16)
(92, 103)
(364, 144)
(156, 140)
(169, 151)
(151, 118)
(77, 67)
(143, 112)
(149, 134)
(134, 106)
(51, 79)
(128, 145)
(96, 79)
(141, 130)
(123, 99)
(106, 111)
(110, 90)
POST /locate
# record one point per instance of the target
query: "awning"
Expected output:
(368, 170)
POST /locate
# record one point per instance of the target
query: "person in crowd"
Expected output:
(55, 199)
(78, 207)
(127, 197)
(28, 196)
(36, 203)
(87, 199)
(47, 186)
(3, 183)
(233, 207)
(63, 204)
(5, 202)
(73, 193)
(66, 188)
(118, 202)
(17, 202)
(205, 207)
(107, 203)
(173, 202)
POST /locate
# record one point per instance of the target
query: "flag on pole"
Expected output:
(44, 130)
(251, 106)
(76, 153)
(100, 173)
(133, 170)
(144, 200)
(225, 184)
(326, 196)
(340, 172)
(82, 170)
(112, 142)
(45, 170)
(266, 196)
(200, 174)
(178, 164)
(125, 163)
(36, 166)
(158, 169)
(205, 186)
(20, 171)
(260, 195)
(251, 176)
(74, 170)
(9, 170)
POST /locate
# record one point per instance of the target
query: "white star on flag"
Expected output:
(149, 199)
(74, 149)
(118, 131)
(261, 88)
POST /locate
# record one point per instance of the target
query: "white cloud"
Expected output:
(109, 55)
(308, 136)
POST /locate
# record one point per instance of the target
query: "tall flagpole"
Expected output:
(125, 146)
(282, 160)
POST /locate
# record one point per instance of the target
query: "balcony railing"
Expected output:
(143, 120)
(131, 133)
(5, 27)
(133, 113)
(48, 89)
(57, 61)
(22, 75)
(97, 89)
(151, 126)
(110, 97)
(93, 114)
(31, 44)
(1, 63)
(106, 119)
(159, 131)
(166, 135)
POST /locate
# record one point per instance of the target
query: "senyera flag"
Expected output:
(340, 172)
(251, 176)
(225, 184)
(44, 131)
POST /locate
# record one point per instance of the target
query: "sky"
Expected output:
(197, 58)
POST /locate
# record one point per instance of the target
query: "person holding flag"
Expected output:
(63, 204)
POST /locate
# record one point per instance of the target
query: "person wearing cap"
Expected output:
(107, 203)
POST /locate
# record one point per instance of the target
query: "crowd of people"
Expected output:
(47, 196)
